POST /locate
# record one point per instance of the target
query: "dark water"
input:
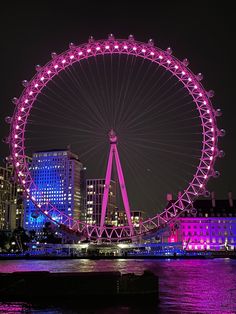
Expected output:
(186, 286)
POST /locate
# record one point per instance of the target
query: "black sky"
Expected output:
(202, 31)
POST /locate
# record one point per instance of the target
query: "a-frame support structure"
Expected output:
(114, 154)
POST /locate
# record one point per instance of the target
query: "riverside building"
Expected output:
(211, 226)
(93, 201)
(56, 174)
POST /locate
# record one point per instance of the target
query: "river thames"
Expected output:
(186, 286)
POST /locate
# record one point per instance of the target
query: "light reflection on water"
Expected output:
(186, 286)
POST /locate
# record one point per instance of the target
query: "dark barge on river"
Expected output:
(101, 287)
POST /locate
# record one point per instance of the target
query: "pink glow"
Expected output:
(16, 136)
(98, 48)
(71, 57)
(49, 72)
(176, 67)
(168, 61)
(143, 50)
(88, 50)
(106, 188)
(18, 146)
(116, 46)
(30, 93)
(114, 153)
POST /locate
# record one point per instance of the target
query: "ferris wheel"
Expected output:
(152, 57)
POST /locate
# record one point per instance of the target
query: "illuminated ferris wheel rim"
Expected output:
(148, 51)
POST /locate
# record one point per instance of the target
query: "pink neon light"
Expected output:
(18, 145)
(114, 153)
(49, 72)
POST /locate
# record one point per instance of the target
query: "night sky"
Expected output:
(202, 32)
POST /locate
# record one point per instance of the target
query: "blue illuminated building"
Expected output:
(57, 175)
